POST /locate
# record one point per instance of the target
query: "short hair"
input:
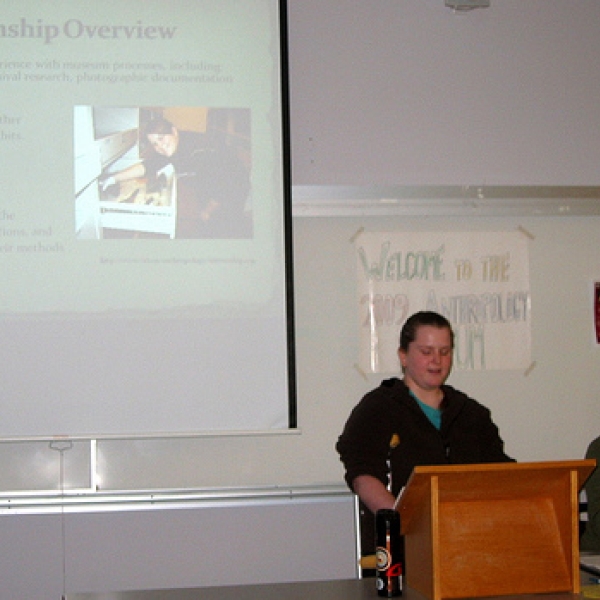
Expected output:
(158, 125)
(419, 319)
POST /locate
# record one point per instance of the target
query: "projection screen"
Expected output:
(144, 229)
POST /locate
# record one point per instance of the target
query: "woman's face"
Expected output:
(164, 143)
(428, 360)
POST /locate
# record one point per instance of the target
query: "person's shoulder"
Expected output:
(392, 386)
(380, 402)
(386, 390)
(593, 450)
(454, 393)
(458, 397)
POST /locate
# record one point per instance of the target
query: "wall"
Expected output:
(550, 413)
(210, 541)
(409, 92)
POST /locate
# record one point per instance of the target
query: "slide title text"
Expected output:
(76, 30)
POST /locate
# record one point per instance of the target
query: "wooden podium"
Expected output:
(493, 529)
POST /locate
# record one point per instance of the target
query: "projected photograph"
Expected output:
(162, 173)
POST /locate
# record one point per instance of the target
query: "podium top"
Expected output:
(493, 481)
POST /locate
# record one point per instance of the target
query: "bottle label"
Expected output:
(383, 558)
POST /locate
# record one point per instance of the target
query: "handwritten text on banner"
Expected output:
(479, 281)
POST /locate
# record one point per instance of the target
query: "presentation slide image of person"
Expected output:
(162, 172)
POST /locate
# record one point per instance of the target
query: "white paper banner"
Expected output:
(478, 281)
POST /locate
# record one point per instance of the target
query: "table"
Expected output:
(354, 589)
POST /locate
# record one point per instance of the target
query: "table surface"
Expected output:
(354, 589)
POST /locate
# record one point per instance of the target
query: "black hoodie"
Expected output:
(387, 435)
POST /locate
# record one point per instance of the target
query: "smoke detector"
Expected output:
(463, 5)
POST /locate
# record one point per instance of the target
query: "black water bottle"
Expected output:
(388, 553)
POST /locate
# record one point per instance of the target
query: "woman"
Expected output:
(417, 420)
(213, 184)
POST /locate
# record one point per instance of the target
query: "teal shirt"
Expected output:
(433, 414)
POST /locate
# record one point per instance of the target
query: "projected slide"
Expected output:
(142, 215)
(162, 173)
